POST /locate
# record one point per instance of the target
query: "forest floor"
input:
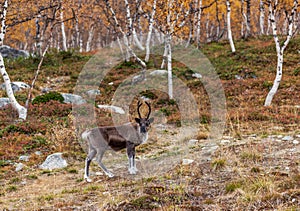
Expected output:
(254, 165)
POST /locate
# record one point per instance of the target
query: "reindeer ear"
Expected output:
(151, 120)
(137, 120)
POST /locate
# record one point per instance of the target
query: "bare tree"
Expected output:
(280, 48)
(229, 32)
(22, 111)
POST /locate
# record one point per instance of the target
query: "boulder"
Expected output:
(93, 92)
(4, 101)
(12, 53)
(159, 72)
(54, 161)
(16, 86)
(114, 109)
(19, 167)
(72, 98)
(197, 75)
(24, 158)
(287, 138)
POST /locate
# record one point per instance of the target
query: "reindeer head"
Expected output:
(144, 123)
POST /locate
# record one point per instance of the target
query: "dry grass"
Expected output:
(249, 172)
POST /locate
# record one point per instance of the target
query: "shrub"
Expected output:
(48, 97)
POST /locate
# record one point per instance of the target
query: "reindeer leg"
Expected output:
(99, 158)
(131, 158)
(91, 155)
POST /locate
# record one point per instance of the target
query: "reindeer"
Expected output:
(116, 138)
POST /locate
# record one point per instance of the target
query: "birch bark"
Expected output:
(151, 21)
(279, 49)
(63, 32)
(22, 111)
(261, 17)
(229, 33)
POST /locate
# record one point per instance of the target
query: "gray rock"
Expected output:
(19, 167)
(187, 161)
(193, 141)
(238, 77)
(295, 142)
(4, 101)
(46, 89)
(72, 98)
(38, 153)
(93, 92)
(16, 86)
(159, 72)
(287, 138)
(12, 53)
(224, 142)
(24, 158)
(114, 109)
(197, 75)
(54, 161)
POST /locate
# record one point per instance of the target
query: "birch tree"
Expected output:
(280, 48)
(63, 33)
(151, 22)
(261, 17)
(22, 111)
(248, 18)
(125, 38)
(229, 32)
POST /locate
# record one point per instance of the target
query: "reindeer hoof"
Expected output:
(110, 175)
(132, 170)
(87, 179)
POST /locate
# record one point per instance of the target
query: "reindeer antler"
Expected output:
(148, 104)
(138, 109)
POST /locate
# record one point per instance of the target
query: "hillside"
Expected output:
(254, 166)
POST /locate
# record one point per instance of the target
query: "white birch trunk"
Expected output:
(131, 29)
(77, 32)
(63, 32)
(150, 31)
(163, 63)
(126, 42)
(38, 35)
(169, 65)
(22, 111)
(229, 33)
(280, 49)
(198, 26)
(80, 44)
(248, 22)
(244, 22)
(90, 39)
(3, 19)
(261, 17)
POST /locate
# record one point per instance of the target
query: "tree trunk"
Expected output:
(198, 26)
(90, 39)
(151, 21)
(261, 17)
(169, 65)
(280, 49)
(248, 18)
(229, 33)
(3, 19)
(38, 35)
(63, 33)
(277, 80)
(22, 111)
